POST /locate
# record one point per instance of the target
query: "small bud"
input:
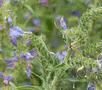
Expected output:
(9, 20)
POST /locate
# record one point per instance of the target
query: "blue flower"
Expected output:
(25, 56)
(91, 86)
(1, 27)
(10, 66)
(9, 78)
(61, 56)
(28, 56)
(33, 53)
(61, 22)
(11, 63)
(6, 79)
(16, 32)
(76, 13)
(15, 59)
(28, 42)
(36, 22)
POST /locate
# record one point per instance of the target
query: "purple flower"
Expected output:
(8, 61)
(26, 56)
(36, 22)
(15, 59)
(61, 56)
(76, 13)
(14, 41)
(1, 2)
(63, 23)
(33, 53)
(11, 63)
(7, 79)
(44, 2)
(10, 66)
(1, 27)
(1, 75)
(28, 42)
(28, 71)
(9, 20)
(91, 86)
(16, 31)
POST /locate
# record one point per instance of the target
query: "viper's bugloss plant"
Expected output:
(50, 45)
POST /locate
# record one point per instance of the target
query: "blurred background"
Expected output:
(43, 16)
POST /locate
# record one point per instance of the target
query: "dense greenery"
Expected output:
(50, 44)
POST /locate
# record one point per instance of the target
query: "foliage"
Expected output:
(50, 45)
